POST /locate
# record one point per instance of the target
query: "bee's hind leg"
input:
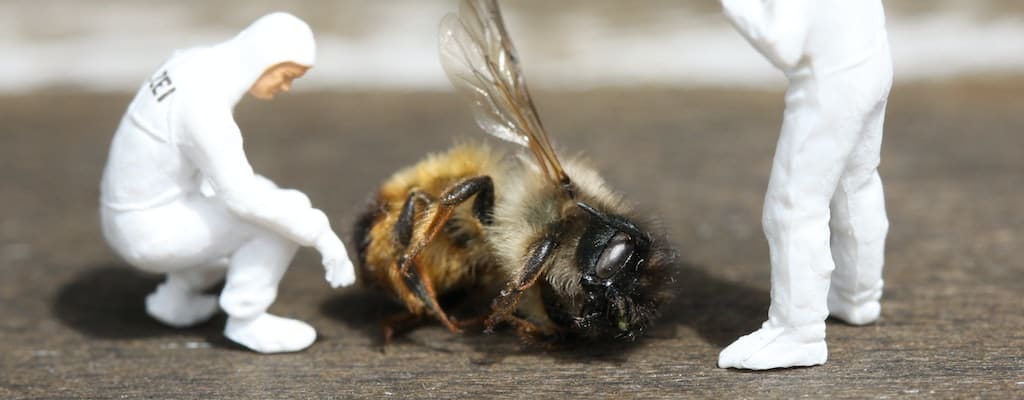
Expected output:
(452, 197)
(420, 285)
(398, 325)
(483, 205)
(403, 228)
(415, 278)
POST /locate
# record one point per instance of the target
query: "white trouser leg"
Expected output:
(179, 301)
(182, 238)
(809, 159)
(254, 273)
(251, 287)
(859, 227)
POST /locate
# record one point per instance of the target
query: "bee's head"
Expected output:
(625, 277)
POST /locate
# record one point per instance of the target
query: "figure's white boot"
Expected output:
(180, 307)
(856, 310)
(777, 347)
(268, 333)
(794, 334)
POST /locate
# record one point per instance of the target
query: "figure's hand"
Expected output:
(340, 271)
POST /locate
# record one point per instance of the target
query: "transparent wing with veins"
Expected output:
(481, 63)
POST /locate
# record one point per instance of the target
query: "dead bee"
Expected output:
(555, 245)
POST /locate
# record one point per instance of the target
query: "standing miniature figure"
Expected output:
(824, 209)
(179, 197)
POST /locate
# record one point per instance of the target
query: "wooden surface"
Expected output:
(72, 323)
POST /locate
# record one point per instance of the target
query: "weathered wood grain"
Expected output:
(72, 323)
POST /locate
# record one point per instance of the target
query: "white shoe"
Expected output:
(851, 311)
(776, 347)
(180, 308)
(268, 333)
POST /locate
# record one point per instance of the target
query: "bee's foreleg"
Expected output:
(534, 334)
(505, 304)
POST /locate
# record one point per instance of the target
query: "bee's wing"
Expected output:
(481, 62)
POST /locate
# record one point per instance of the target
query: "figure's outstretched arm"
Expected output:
(214, 144)
(777, 28)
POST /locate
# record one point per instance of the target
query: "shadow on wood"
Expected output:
(362, 310)
(717, 310)
(108, 302)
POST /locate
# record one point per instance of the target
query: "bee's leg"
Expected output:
(398, 325)
(415, 240)
(473, 324)
(530, 319)
(483, 206)
(452, 197)
(403, 229)
(505, 304)
(533, 333)
(416, 281)
(420, 284)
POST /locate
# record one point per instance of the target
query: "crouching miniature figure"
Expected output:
(824, 213)
(179, 197)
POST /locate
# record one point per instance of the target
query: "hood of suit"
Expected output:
(233, 66)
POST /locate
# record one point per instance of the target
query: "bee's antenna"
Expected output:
(594, 212)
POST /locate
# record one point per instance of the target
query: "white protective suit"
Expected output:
(824, 212)
(179, 136)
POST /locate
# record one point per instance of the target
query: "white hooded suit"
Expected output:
(178, 195)
(824, 212)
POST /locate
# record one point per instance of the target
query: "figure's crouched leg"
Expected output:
(180, 301)
(254, 273)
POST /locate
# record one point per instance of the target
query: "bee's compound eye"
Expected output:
(616, 253)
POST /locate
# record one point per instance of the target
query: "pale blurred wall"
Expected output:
(111, 45)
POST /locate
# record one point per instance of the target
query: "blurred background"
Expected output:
(110, 45)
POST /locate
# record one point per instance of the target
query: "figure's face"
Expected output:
(276, 79)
